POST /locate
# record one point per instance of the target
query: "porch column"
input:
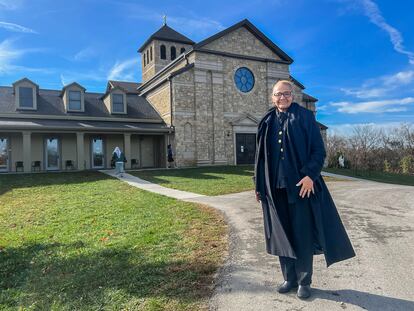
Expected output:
(127, 150)
(80, 161)
(27, 151)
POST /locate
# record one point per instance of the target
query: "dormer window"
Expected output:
(73, 96)
(25, 94)
(75, 102)
(26, 97)
(118, 103)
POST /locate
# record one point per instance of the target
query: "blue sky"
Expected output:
(355, 56)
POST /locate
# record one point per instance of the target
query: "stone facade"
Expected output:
(204, 105)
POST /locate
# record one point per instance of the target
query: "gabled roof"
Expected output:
(26, 80)
(309, 98)
(108, 91)
(256, 32)
(166, 33)
(72, 84)
(297, 82)
(49, 102)
(129, 87)
(244, 117)
(322, 126)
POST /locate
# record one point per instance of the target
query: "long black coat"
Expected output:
(304, 156)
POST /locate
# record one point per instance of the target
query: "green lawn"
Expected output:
(86, 241)
(390, 178)
(212, 180)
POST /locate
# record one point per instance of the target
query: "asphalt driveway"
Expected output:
(380, 222)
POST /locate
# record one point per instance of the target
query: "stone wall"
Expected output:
(157, 63)
(242, 41)
(159, 98)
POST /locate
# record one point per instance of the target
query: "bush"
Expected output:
(407, 164)
(387, 166)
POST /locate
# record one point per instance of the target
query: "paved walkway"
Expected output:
(379, 219)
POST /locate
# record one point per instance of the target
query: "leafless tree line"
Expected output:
(374, 149)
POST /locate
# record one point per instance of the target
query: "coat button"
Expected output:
(279, 141)
(281, 149)
(280, 132)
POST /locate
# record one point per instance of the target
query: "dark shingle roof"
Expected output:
(129, 87)
(36, 124)
(322, 126)
(309, 98)
(166, 33)
(50, 103)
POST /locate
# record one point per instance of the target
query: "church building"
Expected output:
(205, 99)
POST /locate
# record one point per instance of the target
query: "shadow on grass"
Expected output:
(70, 275)
(14, 181)
(201, 173)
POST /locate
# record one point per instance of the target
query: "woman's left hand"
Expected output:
(307, 186)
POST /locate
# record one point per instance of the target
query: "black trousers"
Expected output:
(297, 221)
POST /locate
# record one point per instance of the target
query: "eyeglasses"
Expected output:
(279, 95)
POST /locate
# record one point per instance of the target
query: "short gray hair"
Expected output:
(287, 82)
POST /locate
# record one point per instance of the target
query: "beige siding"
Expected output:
(148, 155)
(16, 143)
(38, 141)
(135, 148)
(68, 149)
(87, 148)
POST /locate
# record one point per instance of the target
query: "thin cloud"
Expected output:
(379, 106)
(16, 27)
(9, 55)
(85, 54)
(192, 23)
(374, 14)
(382, 86)
(10, 4)
(347, 129)
(123, 70)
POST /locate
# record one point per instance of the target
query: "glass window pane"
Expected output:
(26, 97)
(75, 95)
(118, 103)
(75, 100)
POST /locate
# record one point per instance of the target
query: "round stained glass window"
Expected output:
(244, 79)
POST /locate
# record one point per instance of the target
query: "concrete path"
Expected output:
(380, 222)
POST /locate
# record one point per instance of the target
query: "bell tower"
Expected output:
(161, 48)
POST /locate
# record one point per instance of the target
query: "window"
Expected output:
(173, 53)
(163, 52)
(75, 100)
(182, 50)
(25, 97)
(147, 57)
(150, 53)
(244, 79)
(145, 63)
(118, 103)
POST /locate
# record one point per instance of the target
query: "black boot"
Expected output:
(304, 291)
(286, 287)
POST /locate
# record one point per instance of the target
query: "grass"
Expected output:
(390, 178)
(85, 241)
(212, 180)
